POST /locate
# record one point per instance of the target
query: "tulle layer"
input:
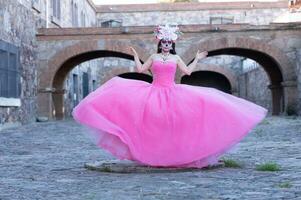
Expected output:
(174, 126)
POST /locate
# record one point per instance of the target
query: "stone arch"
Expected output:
(118, 71)
(137, 76)
(283, 80)
(52, 76)
(230, 76)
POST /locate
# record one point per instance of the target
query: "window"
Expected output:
(85, 84)
(221, 20)
(94, 85)
(75, 89)
(74, 14)
(111, 23)
(83, 19)
(56, 9)
(10, 82)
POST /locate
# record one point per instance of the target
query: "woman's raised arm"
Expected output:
(141, 67)
(189, 69)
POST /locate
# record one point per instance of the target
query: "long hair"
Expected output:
(172, 51)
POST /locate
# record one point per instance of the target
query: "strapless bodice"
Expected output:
(163, 72)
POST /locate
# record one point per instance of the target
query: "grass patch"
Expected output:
(292, 110)
(106, 169)
(91, 196)
(231, 163)
(265, 122)
(270, 166)
(259, 132)
(285, 185)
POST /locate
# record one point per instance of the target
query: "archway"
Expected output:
(51, 83)
(225, 73)
(275, 63)
(208, 79)
(137, 76)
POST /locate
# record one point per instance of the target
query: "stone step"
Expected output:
(122, 166)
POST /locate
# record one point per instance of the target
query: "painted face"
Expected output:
(166, 45)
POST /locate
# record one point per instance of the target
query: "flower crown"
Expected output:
(168, 32)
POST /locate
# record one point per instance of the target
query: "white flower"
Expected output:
(168, 32)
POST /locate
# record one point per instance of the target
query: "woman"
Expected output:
(164, 124)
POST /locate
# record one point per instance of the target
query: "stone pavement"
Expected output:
(47, 161)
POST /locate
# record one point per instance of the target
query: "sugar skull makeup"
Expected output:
(166, 45)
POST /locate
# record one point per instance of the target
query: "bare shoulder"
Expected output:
(153, 55)
(177, 57)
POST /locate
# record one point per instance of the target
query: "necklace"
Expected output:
(164, 56)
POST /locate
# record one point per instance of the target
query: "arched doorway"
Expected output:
(137, 76)
(208, 79)
(274, 61)
(69, 64)
(52, 77)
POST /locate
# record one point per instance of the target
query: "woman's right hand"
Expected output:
(201, 55)
(134, 51)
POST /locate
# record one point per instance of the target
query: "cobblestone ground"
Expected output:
(46, 161)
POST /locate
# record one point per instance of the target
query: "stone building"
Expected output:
(19, 22)
(248, 71)
(23, 51)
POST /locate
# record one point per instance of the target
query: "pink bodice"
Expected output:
(163, 73)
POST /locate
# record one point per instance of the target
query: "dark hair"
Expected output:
(172, 51)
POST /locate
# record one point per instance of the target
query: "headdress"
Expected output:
(168, 32)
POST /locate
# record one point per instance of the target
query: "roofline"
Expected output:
(90, 2)
(188, 6)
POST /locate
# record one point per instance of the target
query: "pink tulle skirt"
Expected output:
(175, 126)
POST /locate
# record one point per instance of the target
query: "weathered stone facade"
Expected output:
(298, 71)
(253, 86)
(255, 13)
(272, 53)
(19, 23)
(19, 30)
(83, 79)
(48, 66)
(258, 13)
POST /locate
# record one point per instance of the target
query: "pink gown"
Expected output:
(165, 124)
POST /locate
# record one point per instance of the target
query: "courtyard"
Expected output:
(47, 160)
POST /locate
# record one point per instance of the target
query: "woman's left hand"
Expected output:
(201, 55)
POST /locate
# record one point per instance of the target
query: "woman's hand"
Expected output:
(201, 55)
(134, 52)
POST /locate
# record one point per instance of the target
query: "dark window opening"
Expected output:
(111, 23)
(85, 84)
(10, 81)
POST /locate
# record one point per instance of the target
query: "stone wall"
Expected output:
(233, 63)
(203, 13)
(74, 91)
(83, 6)
(252, 81)
(43, 10)
(99, 70)
(253, 87)
(189, 13)
(298, 70)
(19, 21)
(19, 30)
